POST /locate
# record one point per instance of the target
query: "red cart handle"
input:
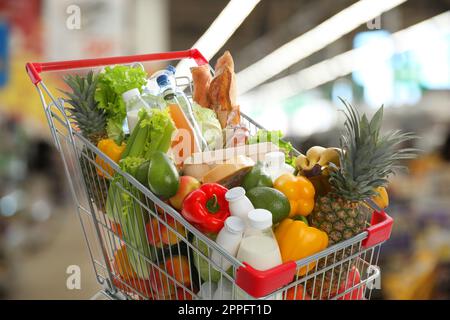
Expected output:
(35, 68)
(261, 283)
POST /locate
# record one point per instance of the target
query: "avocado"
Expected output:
(256, 178)
(163, 178)
(270, 199)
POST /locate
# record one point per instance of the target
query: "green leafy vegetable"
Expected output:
(274, 136)
(112, 83)
(210, 126)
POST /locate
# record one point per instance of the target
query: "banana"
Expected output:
(317, 156)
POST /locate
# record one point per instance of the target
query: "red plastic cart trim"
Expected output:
(35, 68)
(380, 229)
(261, 283)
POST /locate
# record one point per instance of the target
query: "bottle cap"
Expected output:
(235, 224)
(275, 158)
(260, 219)
(130, 94)
(162, 80)
(171, 69)
(234, 194)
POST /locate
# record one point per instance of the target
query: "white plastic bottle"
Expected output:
(274, 165)
(207, 290)
(134, 104)
(238, 203)
(229, 239)
(259, 248)
(224, 290)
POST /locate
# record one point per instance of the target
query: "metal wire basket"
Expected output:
(175, 262)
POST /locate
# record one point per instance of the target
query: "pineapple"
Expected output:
(366, 160)
(84, 110)
(91, 121)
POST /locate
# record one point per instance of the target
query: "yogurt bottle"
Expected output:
(229, 239)
(259, 248)
(238, 203)
(224, 290)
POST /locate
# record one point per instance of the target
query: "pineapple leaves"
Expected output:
(367, 158)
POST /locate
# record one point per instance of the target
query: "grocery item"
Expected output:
(317, 157)
(178, 268)
(152, 86)
(257, 177)
(229, 238)
(206, 208)
(201, 79)
(274, 137)
(272, 200)
(209, 125)
(297, 241)
(224, 290)
(297, 293)
(230, 173)
(366, 161)
(236, 136)
(133, 104)
(113, 151)
(180, 109)
(199, 163)
(382, 198)
(162, 287)
(207, 290)
(205, 268)
(84, 110)
(353, 279)
(238, 203)
(259, 247)
(222, 92)
(187, 185)
(112, 83)
(163, 177)
(160, 235)
(122, 265)
(275, 166)
(300, 192)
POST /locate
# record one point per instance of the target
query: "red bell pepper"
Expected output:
(206, 208)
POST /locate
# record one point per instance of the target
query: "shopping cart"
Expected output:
(176, 263)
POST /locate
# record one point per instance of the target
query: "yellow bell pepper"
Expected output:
(297, 241)
(300, 192)
(113, 151)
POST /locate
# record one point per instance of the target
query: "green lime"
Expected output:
(272, 200)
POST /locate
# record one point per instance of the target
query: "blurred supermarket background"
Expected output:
(293, 59)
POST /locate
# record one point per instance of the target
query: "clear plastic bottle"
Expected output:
(229, 238)
(152, 86)
(134, 103)
(179, 103)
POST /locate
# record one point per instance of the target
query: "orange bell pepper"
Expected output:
(113, 151)
(300, 192)
(297, 241)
